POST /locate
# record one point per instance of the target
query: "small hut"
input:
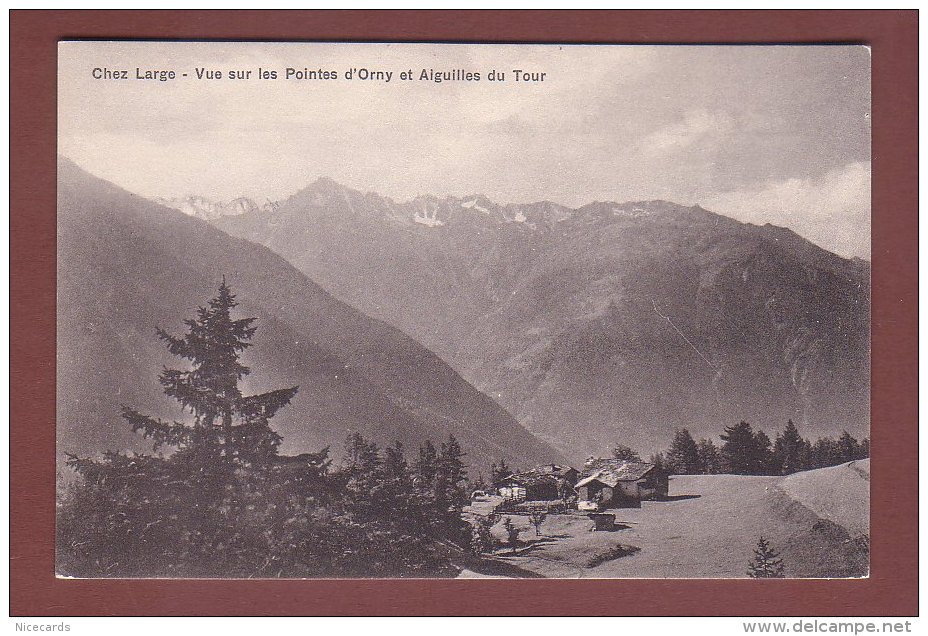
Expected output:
(618, 483)
(544, 483)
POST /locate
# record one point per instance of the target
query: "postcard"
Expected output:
(344, 310)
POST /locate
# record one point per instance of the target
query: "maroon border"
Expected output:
(892, 587)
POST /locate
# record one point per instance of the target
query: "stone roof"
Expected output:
(611, 471)
(541, 474)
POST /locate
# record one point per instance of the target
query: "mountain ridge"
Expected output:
(693, 318)
(127, 266)
(505, 212)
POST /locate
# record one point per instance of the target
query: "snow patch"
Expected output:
(633, 213)
(428, 218)
(473, 205)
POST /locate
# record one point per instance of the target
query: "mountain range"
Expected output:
(127, 266)
(209, 210)
(605, 324)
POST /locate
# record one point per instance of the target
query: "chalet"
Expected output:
(618, 483)
(544, 483)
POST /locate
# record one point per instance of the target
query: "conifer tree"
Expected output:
(763, 455)
(226, 423)
(450, 462)
(850, 448)
(452, 475)
(864, 448)
(361, 455)
(825, 452)
(767, 563)
(482, 539)
(361, 474)
(683, 456)
(394, 462)
(397, 483)
(739, 449)
(710, 461)
(660, 464)
(788, 450)
(449, 495)
(143, 514)
(427, 464)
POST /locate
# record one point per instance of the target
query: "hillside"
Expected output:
(840, 494)
(611, 323)
(127, 266)
(709, 527)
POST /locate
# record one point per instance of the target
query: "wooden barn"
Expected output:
(618, 483)
(543, 483)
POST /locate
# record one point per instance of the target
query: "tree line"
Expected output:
(222, 502)
(746, 451)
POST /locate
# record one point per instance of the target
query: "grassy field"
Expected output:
(708, 529)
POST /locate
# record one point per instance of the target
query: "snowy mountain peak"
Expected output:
(209, 210)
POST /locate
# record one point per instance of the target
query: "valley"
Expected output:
(128, 266)
(617, 322)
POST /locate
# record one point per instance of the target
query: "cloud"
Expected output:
(744, 126)
(696, 126)
(832, 210)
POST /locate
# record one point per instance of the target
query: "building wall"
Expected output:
(626, 494)
(629, 488)
(515, 493)
(542, 492)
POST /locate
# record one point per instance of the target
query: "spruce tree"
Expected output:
(661, 470)
(850, 448)
(767, 563)
(366, 491)
(223, 504)
(788, 450)
(426, 464)
(739, 449)
(449, 491)
(453, 473)
(710, 462)
(361, 455)
(182, 513)
(683, 456)
(394, 462)
(763, 455)
(825, 452)
(864, 448)
(226, 423)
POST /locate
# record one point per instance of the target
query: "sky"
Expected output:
(764, 134)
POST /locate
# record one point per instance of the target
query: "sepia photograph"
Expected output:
(513, 311)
